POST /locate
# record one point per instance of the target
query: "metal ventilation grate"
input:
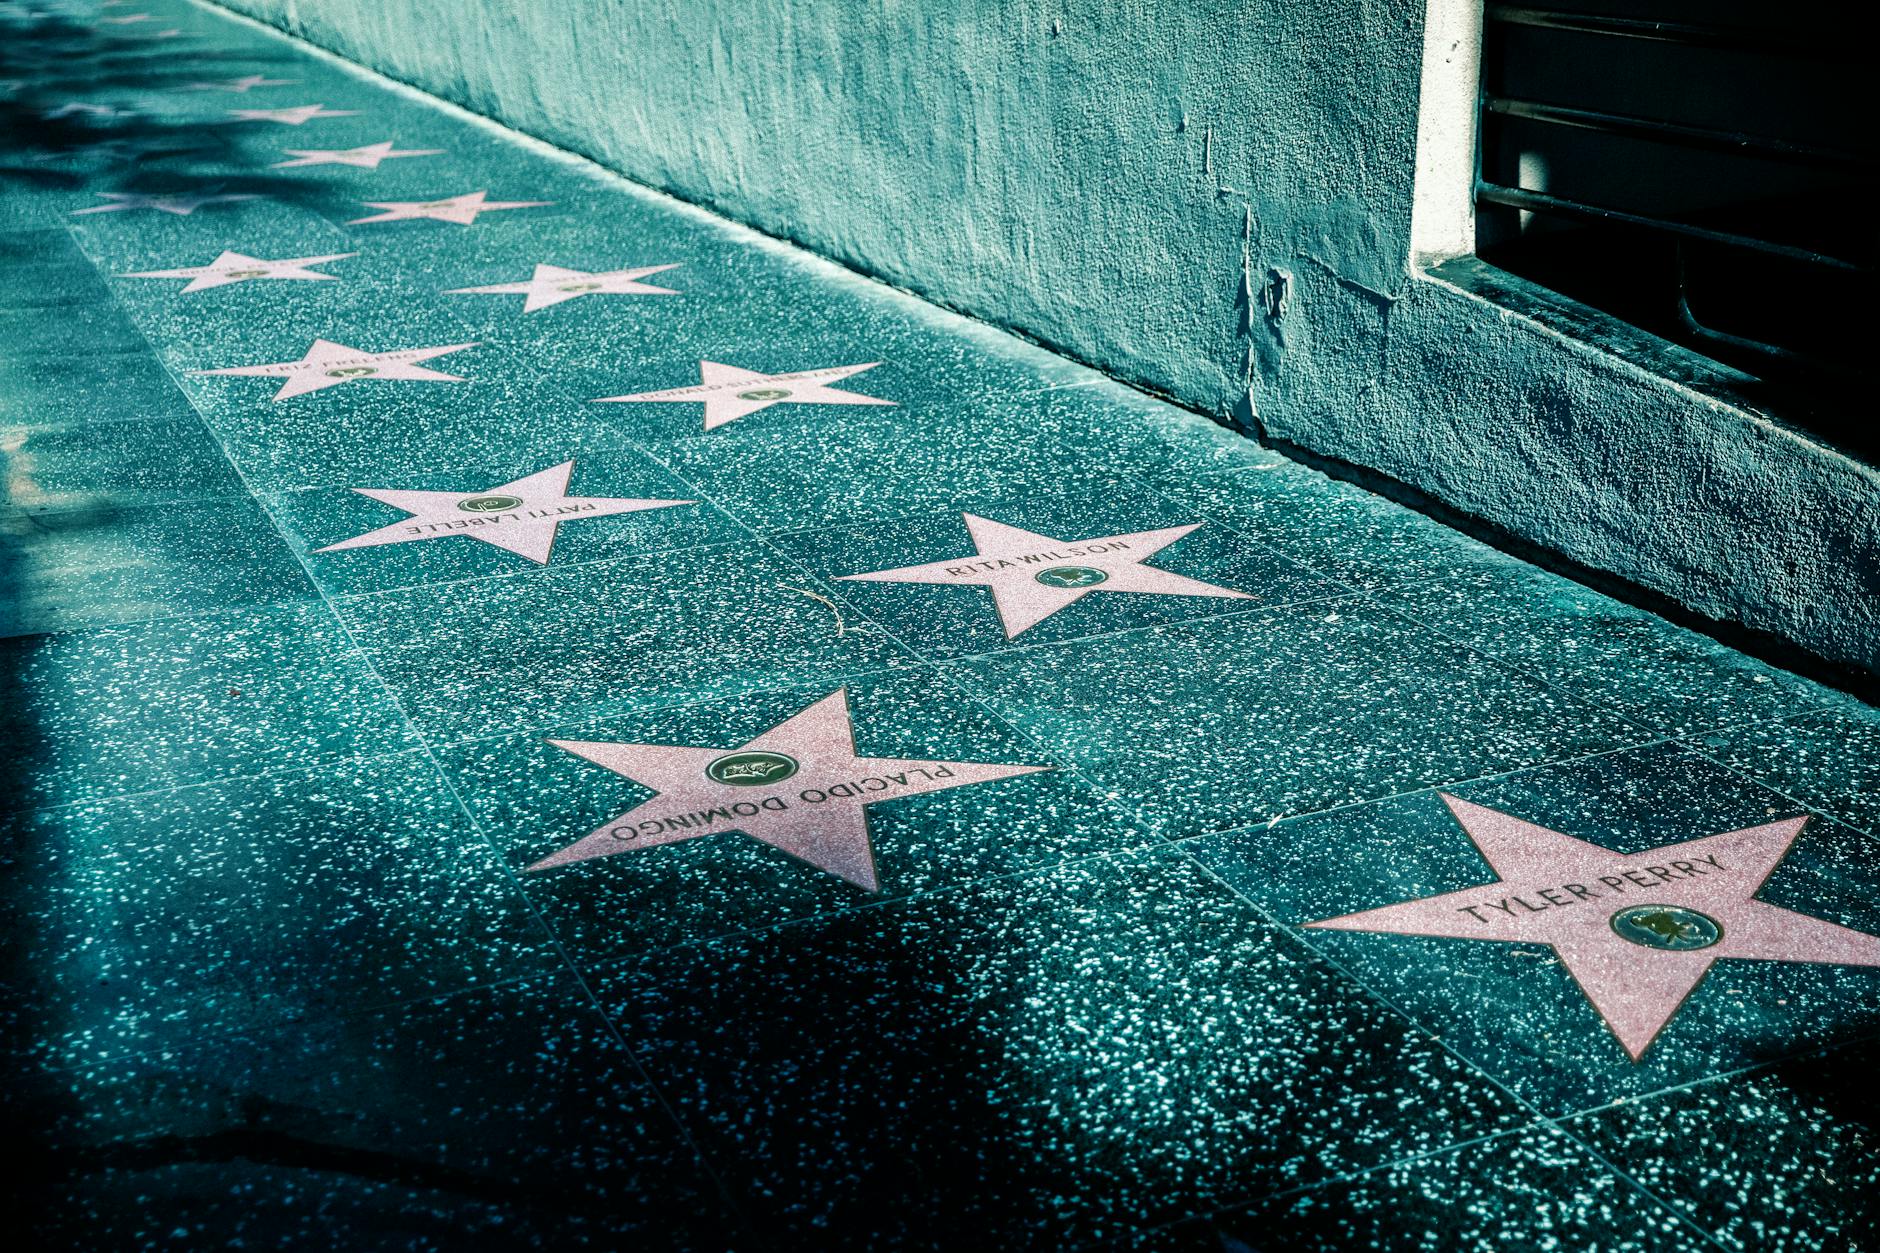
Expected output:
(1704, 171)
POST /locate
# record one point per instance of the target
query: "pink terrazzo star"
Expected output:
(299, 115)
(328, 365)
(1032, 576)
(241, 85)
(799, 787)
(1638, 932)
(365, 157)
(236, 267)
(729, 393)
(521, 516)
(552, 284)
(462, 209)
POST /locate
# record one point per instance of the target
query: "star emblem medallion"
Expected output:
(521, 516)
(462, 210)
(366, 157)
(235, 267)
(729, 393)
(1637, 931)
(1033, 576)
(800, 787)
(328, 365)
(551, 285)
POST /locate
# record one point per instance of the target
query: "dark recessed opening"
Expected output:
(1704, 170)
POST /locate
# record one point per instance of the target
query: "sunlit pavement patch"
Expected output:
(1241, 718)
(646, 631)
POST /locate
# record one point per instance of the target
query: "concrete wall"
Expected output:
(1209, 199)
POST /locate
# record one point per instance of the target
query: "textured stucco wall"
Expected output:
(1209, 199)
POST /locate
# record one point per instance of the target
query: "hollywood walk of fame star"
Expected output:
(328, 365)
(74, 108)
(234, 267)
(181, 204)
(520, 516)
(551, 284)
(1032, 576)
(462, 209)
(242, 85)
(366, 157)
(799, 787)
(1638, 932)
(299, 115)
(729, 393)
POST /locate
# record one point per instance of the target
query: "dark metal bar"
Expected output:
(1742, 343)
(1541, 202)
(1689, 33)
(1673, 133)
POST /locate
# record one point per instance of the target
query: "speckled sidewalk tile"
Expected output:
(479, 658)
(861, 465)
(1030, 1063)
(151, 920)
(1829, 759)
(1241, 719)
(1633, 1003)
(1342, 531)
(1526, 1190)
(184, 700)
(246, 214)
(1661, 676)
(534, 798)
(1782, 1159)
(503, 1118)
(1161, 444)
(95, 566)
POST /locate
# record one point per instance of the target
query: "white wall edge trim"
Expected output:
(1442, 216)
